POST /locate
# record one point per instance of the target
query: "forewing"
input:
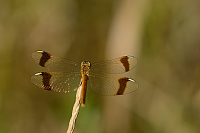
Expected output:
(57, 81)
(115, 66)
(111, 85)
(53, 63)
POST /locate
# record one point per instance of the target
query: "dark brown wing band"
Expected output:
(125, 62)
(45, 57)
(122, 85)
(46, 80)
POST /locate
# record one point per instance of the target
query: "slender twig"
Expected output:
(75, 111)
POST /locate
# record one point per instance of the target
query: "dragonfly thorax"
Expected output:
(85, 67)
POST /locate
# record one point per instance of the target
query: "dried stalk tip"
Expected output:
(75, 111)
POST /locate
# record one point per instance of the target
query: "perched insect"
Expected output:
(100, 78)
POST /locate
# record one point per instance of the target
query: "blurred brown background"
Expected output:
(163, 35)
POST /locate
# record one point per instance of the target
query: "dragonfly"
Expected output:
(100, 77)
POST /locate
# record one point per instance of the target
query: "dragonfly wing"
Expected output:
(115, 66)
(57, 81)
(111, 85)
(54, 63)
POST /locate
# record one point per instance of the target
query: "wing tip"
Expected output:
(39, 73)
(40, 51)
(132, 80)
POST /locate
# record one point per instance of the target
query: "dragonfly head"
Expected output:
(85, 64)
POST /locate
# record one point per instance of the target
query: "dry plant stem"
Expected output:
(75, 111)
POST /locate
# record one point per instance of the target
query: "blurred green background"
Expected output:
(163, 35)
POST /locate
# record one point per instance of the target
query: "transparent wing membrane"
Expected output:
(57, 81)
(110, 85)
(115, 66)
(54, 63)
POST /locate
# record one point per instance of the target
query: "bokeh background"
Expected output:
(163, 35)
